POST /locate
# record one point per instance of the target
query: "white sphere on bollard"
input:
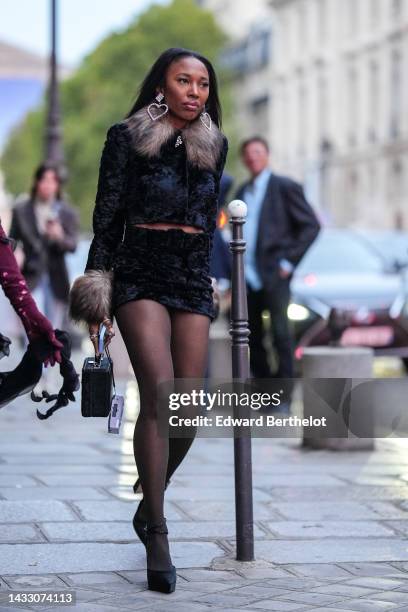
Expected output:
(237, 208)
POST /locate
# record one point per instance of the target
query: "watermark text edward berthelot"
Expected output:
(262, 420)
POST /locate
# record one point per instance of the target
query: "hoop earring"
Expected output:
(157, 114)
(205, 119)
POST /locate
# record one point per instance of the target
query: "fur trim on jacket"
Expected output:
(203, 146)
(147, 175)
(91, 296)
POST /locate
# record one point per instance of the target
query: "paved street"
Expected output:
(331, 528)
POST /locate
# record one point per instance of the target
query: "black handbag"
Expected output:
(97, 382)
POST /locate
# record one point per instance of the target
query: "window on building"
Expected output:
(302, 112)
(322, 107)
(395, 180)
(372, 180)
(396, 9)
(353, 192)
(353, 106)
(395, 190)
(250, 54)
(395, 93)
(280, 127)
(259, 46)
(374, 94)
(259, 108)
(235, 58)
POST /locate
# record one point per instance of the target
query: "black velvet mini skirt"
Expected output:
(169, 266)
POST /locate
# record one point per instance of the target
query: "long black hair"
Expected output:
(156, 78)
(38, 175)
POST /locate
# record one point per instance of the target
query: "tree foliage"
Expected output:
(102, 91)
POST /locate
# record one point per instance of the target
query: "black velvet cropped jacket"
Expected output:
(150, 172)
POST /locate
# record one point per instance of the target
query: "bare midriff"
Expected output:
(190, 229)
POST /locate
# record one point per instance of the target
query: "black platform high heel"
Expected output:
(140, 525)
(160, 580)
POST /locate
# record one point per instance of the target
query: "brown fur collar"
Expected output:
(203, 147)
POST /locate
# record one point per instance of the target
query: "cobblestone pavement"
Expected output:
(330, 528)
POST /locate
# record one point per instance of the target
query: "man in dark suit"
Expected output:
(280, 227)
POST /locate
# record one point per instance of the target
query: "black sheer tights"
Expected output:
(163, 343)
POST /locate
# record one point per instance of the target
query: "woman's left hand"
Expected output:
(216, 295)
(94, 332)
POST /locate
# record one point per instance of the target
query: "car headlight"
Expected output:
(297, 312)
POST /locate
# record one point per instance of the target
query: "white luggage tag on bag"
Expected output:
(118, 402)
(116, 414)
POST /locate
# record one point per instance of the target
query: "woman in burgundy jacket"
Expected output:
(44, 346)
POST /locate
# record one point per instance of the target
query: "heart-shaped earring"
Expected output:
(206, 120)
(161, 109)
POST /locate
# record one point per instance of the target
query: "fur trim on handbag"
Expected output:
(90, 297)
(203, 146)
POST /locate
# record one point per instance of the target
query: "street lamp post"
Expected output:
(54, 153)
(240, 370)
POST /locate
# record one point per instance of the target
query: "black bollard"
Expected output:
(240, 370)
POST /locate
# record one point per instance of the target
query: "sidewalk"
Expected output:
(330, 528)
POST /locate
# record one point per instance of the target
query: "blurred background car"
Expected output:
(351, 289)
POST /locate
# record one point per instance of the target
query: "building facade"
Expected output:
(236, 16)
(332, 97)
(248, 59)
(339, 117)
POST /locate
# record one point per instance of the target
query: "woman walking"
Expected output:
(154, 220)
(46, 227)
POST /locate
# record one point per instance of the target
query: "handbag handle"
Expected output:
(102, 333)
(98, 344)
(101, 350)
